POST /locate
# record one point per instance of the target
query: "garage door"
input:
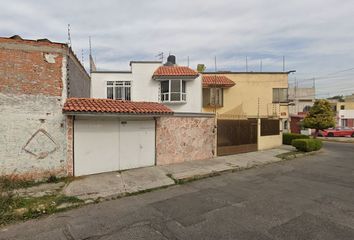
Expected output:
(105, 145)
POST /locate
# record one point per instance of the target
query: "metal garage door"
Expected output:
(109, 144)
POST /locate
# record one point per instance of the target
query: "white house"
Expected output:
(178, 87)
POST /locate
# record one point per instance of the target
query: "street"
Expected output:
(306, 198)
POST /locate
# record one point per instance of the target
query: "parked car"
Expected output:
(337, 132)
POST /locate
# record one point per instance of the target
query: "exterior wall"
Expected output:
(78, 80)
(252, 96)
(70, 146)
(194, 98)
(99, 82)
(180, 139)
(33, 139)
(268, 142)
(345, 114)
(144, 88)
(33, 89)
(301, 97)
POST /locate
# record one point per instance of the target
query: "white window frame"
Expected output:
(167, 95)
(120, 84)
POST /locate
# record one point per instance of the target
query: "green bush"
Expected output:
(307, 145)
(289, 137)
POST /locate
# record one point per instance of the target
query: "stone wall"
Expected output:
(180, 139)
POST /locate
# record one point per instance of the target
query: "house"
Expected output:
(301, 99)
(251, 109)
(36, 78)
(149, 115)
(300, 102)
(345, 112)
(178, 87)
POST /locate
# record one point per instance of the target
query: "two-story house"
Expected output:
(149, 115)
(251, 109)
(178, 87)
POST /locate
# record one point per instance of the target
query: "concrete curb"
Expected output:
(300, 154)
(336, 141)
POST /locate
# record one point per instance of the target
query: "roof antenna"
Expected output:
(160, 56)
(69, 36)
(92, 62)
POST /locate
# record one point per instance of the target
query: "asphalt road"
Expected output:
(307, 198)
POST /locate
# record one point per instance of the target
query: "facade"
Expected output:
(344, 111)
(300, 102)
(36, 77)
(178, 87)
(256, 101)
(301, 99)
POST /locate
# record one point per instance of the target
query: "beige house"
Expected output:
(251, 108)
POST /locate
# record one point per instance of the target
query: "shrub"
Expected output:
(289, 137)
(307, 145)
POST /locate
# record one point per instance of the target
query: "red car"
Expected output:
(337, 132)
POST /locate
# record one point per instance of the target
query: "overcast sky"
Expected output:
(315, 36)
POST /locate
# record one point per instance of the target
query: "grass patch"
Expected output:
(14, 208)
(288, 155)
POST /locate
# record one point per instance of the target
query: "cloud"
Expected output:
(316, 37)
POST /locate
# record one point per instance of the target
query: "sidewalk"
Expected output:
(117, 184)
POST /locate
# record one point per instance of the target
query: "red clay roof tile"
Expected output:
(175, 71)
(217, 80)
(96, 105)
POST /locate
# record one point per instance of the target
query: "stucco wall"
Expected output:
(268, 142)
(253, 95)
(33, 139)
(99, 82)
(180, 139)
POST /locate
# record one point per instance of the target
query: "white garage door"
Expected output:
(105, 145)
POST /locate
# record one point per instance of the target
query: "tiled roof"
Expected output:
(95, 105)
(175, 71)
(217, 80)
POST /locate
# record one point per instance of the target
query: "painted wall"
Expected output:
(99, 82)
(144, 88)
(33, 139)
(268, 142)
(193, 95)
(253, 94)
(180, 139)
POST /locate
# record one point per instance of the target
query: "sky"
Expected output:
(316, 37)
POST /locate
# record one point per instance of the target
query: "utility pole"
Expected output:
(188, 61)
(260, 67)
(246, 64)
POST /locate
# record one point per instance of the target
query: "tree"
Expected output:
(201, 68)
(320, 117)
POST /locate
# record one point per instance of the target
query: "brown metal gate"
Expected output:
(236, 136)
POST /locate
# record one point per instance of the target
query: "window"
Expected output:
(342, 107)
(120, 90)
(280, 95)
(173, 91)
(213, 97)
(269, 127)
(307, 109)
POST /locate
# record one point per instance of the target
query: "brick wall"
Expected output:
(33, 88)
(25, 71)
(180, 139)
